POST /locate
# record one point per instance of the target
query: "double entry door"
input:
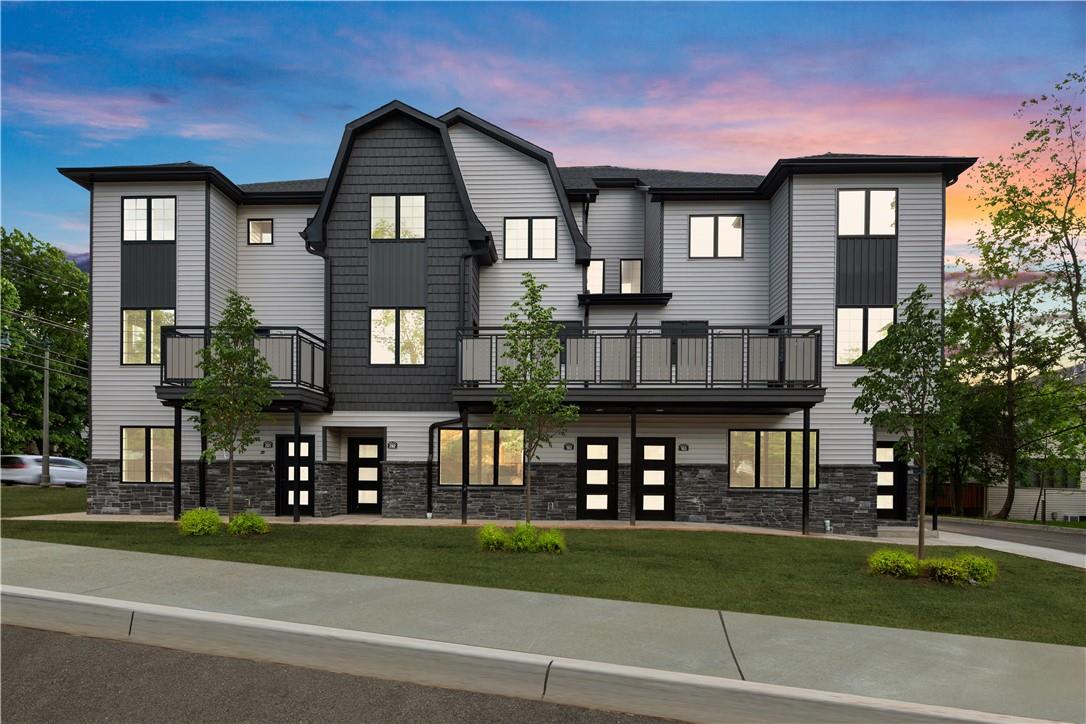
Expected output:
(364, 474)
(653, 486)
(287, 461)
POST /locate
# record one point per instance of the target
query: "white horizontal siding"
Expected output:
(125, 395)
(284, 282)
(223, 273)
(616, 231)
(503, 182)
(1058, 501)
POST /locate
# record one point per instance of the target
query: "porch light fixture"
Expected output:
(683, 447)
(567, 446)
(392, 445)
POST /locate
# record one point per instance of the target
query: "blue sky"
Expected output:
(263, 90)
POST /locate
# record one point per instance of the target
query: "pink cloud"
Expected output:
(222, 131)
(101, 116)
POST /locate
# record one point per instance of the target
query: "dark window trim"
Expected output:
(716, 235)
(146, 452)
(787, 458)
(397, 363)
(531, 233)
(867, 213)
(249, 234)
(149, 198)
(146, 318)
(863, 343)
(603, 265)
(641, 275)
(497, 477)
(425, 218)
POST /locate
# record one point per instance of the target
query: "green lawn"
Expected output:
(807, 578)
(19, 500)
(1055, 523)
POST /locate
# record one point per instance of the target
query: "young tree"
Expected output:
(905, 389)
(235, 388)
(532, 398)
(1036, 200)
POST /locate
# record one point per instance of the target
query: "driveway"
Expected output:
(1034, 535)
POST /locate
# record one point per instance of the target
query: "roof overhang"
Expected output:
(88, 176)
(668, 399)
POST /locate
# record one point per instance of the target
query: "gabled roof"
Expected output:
(314, 234)
(582, 250)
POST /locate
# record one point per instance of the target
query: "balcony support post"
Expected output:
(464, 437)
(203, 472)
(633, 465)
(177, 461)
(806, 467)
(297, 465)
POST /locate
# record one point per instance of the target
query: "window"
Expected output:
(149, 218)
(630, 276)
(594, 276)
(146, 454)
(867, 212)
(398, 217)
(141, 335)
(858, 329)
(397, 336)
(716, 237)
(495, 457)
(531, 238)
(770, 459)
(260, 231)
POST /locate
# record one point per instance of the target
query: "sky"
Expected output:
(262, 91)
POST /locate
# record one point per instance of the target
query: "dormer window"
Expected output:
(149, 218)
(260, 231)
(867, 212)
(531, 238)
(397, 216)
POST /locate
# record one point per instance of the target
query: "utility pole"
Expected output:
(45, 421)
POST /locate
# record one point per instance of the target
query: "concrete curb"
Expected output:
(471, 668)
(1018, 526)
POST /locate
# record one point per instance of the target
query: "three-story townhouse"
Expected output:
(710, 325)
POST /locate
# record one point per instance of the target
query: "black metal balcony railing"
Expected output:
(722, 357)
(295, 356)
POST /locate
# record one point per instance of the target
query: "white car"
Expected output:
(26, 470)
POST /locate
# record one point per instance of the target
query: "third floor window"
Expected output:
(717, 237)
(867, 212)
(149, 218)
(530, 238)
(398, 217)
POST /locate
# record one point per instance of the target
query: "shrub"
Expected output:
(551, 541)
(525, 537)
(945, 570)
(894, 562)
(199, 521)
(248, 524)
(978, 570)
(492, 538)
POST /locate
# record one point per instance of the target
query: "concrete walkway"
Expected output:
(991, 675)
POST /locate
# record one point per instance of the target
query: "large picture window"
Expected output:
(397, 336)
(716, 237)
(770, 459)
(867, 212)
(495, 457)
(398, 216)
(149, 218)
(531, 238)
(858, 329)
(141, 335)
(146, 454)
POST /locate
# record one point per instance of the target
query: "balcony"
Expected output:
(727, 369)
(296, 358)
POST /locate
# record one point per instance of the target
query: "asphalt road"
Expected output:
(51, 677)
(1034, 535)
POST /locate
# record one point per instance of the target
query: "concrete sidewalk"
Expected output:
(991, 675)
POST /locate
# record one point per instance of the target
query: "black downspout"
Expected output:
(430, 464)
(806, 468)
(633, 466)
(464, 467)
(177, 462)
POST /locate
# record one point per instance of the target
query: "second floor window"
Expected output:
(867, 212)
(149, 218)
(858, 329)
(398, 217)
(141, 335)
(260, 231)
(397, 336)
(630, 270)
(593, 276)
(719, 237)
(531, 238)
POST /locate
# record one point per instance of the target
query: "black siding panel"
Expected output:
(866, 272)
(653, 265)
(149, 274)
(398, 274)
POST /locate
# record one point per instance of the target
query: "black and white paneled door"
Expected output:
(654, 478)
(287, 460)
(597, 477)
(893, 479)
(364, 474)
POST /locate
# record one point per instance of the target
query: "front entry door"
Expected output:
(284, 475)
(654, 481)
(597, 477)
(893, 479)
(364, 474)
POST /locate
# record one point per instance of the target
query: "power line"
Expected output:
(59, 325)
(54, 352)
(42, 275)
(41, 367)
(65, 366)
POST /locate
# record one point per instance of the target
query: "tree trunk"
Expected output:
(922, 494)
(528, 491)
(957, 490)
(230, 487)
